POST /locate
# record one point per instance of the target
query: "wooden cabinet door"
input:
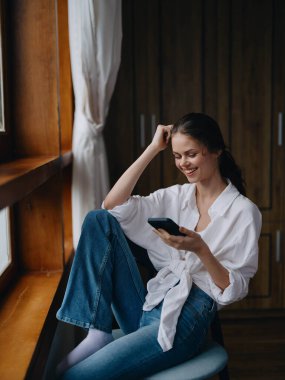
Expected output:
(147, 87)
(253, 135)
(278, 121)
(181, 69)
(119, 130)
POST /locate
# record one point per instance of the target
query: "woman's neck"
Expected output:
(211, 188)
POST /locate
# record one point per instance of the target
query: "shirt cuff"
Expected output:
(236, 290)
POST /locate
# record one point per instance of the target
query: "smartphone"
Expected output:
(166, 224)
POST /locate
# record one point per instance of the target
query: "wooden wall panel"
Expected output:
(119, 130)
(260, 285)
(279, 106)
(278, 159)
(67, 212)
(217, 61)
(147, 76)
(181, 69)
(39, 228)
(33, 64)
(64, 76)
(252, 95)
(181, 58)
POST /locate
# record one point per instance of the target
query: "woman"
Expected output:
(209, 267)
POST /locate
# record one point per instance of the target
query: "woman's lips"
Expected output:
(190, 172)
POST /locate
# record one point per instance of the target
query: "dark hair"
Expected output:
(206, 130)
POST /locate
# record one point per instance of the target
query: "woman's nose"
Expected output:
(183, 161)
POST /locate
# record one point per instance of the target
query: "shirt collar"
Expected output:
(190, 199)
(221, 204)
(224, 200)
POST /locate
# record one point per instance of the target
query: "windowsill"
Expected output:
(20, 177)
(22, 314)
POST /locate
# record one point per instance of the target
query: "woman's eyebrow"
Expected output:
(187, 151)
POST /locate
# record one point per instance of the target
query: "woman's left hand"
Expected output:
(194, 243)
(191, 242)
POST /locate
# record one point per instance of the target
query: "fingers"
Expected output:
(187, 232)
(172, 240)
(162, 136)
(164, 235)
(191, 242)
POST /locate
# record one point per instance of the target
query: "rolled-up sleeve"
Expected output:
(241, 262)
(133, 214)
(237, 289)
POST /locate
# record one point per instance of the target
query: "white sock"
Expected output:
(94, 341)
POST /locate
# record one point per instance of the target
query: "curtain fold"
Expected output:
(95, 35)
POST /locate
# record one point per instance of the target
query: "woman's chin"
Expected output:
(191, 179)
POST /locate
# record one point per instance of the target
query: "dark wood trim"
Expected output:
(251, 314)
(20, 177)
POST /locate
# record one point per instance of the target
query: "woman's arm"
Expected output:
(217, 271)
(123, 188)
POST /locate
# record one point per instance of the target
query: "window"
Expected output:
(2, 119)
(5, 130)
(5, 241)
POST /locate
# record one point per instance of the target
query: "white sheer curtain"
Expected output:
(95, 34)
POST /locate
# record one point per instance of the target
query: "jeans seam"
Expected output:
(118, 240)
(99, 287)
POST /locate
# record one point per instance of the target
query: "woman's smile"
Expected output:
(189, 172)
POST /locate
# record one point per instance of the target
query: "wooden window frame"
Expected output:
(35, 177)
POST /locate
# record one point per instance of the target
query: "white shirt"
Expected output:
(232, 237)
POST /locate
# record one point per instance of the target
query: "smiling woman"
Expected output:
(209, 267)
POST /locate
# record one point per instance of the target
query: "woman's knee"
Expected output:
(97, 216)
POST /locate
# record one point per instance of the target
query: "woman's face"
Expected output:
(193, 159)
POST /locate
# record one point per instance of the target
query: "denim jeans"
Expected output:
(104, 277)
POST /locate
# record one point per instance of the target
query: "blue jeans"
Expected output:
(105, 278)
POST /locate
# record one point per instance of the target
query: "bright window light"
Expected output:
(5, 240)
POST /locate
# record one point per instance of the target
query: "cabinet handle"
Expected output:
(142, 130)
(153, 124)
(278, 246)
(280, 128)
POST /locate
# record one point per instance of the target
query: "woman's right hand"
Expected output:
(161, 137)
(123, 188)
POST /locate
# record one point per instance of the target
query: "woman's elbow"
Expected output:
(106, 205)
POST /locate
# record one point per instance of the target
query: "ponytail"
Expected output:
(229, 169)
